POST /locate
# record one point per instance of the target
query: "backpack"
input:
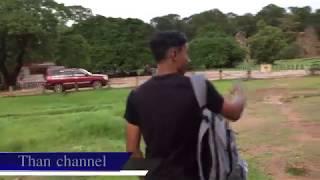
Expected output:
(225, 159)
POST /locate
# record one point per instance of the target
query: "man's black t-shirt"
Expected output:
(166, 110)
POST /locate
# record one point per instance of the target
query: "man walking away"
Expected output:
(165, 112)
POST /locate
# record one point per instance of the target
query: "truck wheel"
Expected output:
(97, 85)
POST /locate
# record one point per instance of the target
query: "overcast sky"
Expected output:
(147, 9)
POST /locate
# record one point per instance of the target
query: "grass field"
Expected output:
(278, 134)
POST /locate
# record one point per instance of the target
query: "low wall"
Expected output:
(212, 75)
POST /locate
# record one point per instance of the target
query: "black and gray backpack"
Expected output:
(226, 162)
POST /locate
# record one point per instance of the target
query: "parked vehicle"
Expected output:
(62, 79)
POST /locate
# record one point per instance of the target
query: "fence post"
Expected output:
(11, 91)
(76, 86)
(220, 74)
(137, 81)
(43, 89)
(248, 74)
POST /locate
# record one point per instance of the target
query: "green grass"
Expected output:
(296, 171)
(255, 173)
(63, 123)
(83, 121)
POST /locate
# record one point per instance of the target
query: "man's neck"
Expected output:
(165, 68)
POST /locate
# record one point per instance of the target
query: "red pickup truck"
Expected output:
(60, 80)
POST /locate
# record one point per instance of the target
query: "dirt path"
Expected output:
(304, 133)
(307, 132)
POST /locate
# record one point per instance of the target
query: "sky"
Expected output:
(148, 9)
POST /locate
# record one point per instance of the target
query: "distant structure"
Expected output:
(33, 75)
(309, 43)
(267, 68)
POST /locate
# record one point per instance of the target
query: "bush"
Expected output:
(290, 52)
(266, 45)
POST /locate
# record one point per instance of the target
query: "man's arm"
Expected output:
(232, 109)
(133, 135)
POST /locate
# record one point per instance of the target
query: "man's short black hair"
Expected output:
(163, 41)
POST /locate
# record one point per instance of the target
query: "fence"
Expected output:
(289, 67)
(31, 85)
(214, 75)
(280, 67)
(32, 88)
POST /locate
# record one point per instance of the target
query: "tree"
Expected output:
(79, 13)
(73, 51)
(214, 49)
(246, 23)
(215, 16)
(271, 14)
(116, 44)
(172, 22)
(289, 23)
(26, 25)
(267, 43)
(302, 16)
(167, 22)
(209, 29)
(316, 20)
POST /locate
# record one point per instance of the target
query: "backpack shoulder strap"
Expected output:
(200, 89)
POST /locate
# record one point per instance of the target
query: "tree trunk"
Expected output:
(3, 58)
(13, 76)
(10, 79)
(4, 78)
(1, 81)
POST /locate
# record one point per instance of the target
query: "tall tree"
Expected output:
(246, 23)
(73, 51)
(26, 25)
(215, 16)
(79, 13)
(116, 44)
(172, 22)
(168, 22)
(271, 14)
(302, 16)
